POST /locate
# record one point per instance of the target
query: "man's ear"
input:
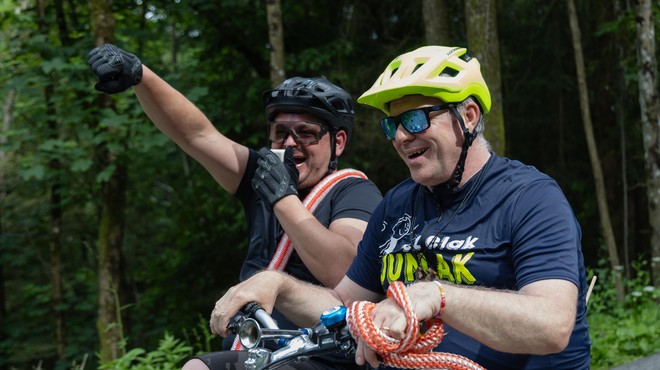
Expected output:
(341, 137)
(472, 114)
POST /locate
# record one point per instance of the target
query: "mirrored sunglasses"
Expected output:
(303, 132)
(414, 121)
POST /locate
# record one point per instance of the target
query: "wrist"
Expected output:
(442, 299)
(285, 203)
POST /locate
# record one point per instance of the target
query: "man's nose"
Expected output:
(290, 139)
(402, 134)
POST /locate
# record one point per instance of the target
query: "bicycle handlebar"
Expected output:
(254, 325)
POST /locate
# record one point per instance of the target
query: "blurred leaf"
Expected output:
(56, 64)
(34, 172)
(106, 173)
(81, 165)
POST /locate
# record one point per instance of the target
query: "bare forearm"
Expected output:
(512, 322)
(327, 254)
(303, 303)
(190, 129)
(169, 110)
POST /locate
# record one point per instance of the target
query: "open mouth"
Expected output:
(299, 160)
(416, 154)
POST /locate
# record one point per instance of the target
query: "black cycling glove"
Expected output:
(273, 179)
(115, 69)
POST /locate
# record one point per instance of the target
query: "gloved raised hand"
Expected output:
(115, 69)
(273, 179)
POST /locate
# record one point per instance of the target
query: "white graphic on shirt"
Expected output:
(402, 228)
(437, 242)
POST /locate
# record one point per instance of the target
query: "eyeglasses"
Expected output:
(414, 120)
(304, 133)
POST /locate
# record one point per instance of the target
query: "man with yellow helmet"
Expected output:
(497, 238)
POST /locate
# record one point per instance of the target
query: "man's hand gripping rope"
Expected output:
(412, 351)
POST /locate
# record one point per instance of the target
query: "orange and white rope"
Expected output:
(311, 201)
(413, 351)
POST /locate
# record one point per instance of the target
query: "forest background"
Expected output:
(110, 236)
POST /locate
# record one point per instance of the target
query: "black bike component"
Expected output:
(254, 311)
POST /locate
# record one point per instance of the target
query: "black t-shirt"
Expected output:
(350, 198)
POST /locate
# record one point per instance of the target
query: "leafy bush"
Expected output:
(170, 355)
(623, 332)
(171, 352)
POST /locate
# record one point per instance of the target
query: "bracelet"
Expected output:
(442, 297)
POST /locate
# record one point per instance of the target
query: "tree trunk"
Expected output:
(621, 122)
(649, 104)
(110, 237)
(54, 231)
(6, 125)
(111, 227)
(436, 22)
(481, 26)
(61, 22)
(603, 210)
(55, 234)
(55, 247)
(276, 42)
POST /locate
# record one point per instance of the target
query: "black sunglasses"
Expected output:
(414, 120)
(303, 132)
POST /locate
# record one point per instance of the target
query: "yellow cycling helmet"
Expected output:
(442, 72)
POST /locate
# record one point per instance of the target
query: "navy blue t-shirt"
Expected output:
(508, 226)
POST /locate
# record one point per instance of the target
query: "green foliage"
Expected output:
(624, 335)
(621, 333)
(169, 355)
(201, 338)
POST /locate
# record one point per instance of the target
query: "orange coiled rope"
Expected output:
(414, 350)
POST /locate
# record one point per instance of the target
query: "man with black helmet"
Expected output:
(483, 246)
(305, 217)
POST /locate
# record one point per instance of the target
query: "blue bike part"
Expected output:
(283, 342)
(333, 316)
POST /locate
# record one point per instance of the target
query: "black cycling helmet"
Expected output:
(316, 96)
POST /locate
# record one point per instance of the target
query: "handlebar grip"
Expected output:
(245, 312)
(263, 317)
(251, 310)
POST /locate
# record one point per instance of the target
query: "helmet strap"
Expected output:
(460, 165)
(332, 166)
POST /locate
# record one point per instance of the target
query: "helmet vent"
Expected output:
(394, 71)
(448, 71)
(417, 67)
(341, 106)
